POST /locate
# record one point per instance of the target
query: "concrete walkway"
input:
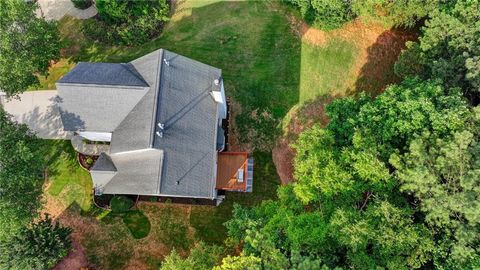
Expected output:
(88, 149)
(39, 111)
(56, 9)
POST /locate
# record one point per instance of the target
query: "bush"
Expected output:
(82, 4)
(39, 246)
(121, 204)
(89, 161)
(128, 22)
(326, 14)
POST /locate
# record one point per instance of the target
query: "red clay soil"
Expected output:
(75, 260)
(283, 155)
(378, 49)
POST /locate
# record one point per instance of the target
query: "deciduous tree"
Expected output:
(27, 45)
(21, 180)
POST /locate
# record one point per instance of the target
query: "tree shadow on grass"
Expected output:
(378, 71)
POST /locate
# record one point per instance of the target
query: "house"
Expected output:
(156, 124)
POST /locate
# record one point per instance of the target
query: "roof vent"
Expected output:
(178, 182)
(216, 81)
(166, 62)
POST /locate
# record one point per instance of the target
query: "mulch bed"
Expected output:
(82, 159)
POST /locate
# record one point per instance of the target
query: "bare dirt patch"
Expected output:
(301, 118)
(378, 49)
(75, 260)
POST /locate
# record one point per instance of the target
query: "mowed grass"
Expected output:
(325, 70)
(137, 223)
(67, 181)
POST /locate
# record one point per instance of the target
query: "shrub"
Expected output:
(128, 22)
(326, 14)
(89, 161)
(39, 246)
(137, 223)
(121, 204)
(82, 4)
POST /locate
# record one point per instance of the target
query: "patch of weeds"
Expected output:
(137, 223)
(172, 228)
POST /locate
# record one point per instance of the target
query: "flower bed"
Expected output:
(86, 161)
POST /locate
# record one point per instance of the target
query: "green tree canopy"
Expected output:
(443, 174)
(37, 247)
(448, 49)
(202, 257)
(129, 22)
(27, 45)
(390, 183)
(21, 180)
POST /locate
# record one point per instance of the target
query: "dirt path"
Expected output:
(378, 49)
(75, 260)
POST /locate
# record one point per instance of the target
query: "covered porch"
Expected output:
(234, 172)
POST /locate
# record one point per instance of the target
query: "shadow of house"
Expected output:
(378, 72)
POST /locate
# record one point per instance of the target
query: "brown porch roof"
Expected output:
(228, 166)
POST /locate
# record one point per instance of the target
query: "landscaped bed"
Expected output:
(86, 161)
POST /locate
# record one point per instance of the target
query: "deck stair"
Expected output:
(249, 175)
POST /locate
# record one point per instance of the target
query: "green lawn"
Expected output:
(137, 223)
(68, 182)
(267, 71)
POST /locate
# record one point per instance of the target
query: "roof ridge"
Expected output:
(158, 84)
(131, 68)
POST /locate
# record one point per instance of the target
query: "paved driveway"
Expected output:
(38, 110)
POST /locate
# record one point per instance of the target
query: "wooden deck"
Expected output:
(228, 166)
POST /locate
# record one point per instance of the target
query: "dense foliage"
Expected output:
(27, 45)
(390, 183)
(21, 180)
(331, 14)
(82, 4)
(326, 14)
(449, 48)
(202, 257)
(37, 247)
(128, 22)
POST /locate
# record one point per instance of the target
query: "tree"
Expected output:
(349, 207)
(39, 246)
(443, 174)
(449, 48)
(396, 13)
(202, 257)
(21, 165)
(382, 236)
(129, 22)
(27, 45)
(326, 14)
(239, 263)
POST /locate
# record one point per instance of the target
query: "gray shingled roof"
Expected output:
(96, 107)
(104, 163)
(189, 114)
(138, 173)
(104, 74)
(182, 162)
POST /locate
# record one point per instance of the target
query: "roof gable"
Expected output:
(104, 74)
